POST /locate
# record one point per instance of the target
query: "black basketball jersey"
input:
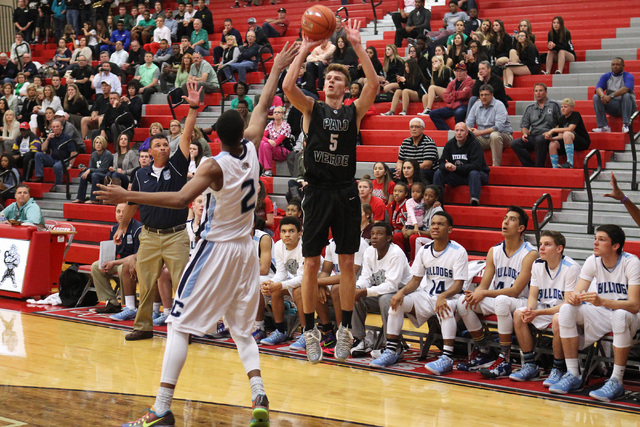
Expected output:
(330, 154)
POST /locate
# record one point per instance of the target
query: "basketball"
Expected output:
(318, 22)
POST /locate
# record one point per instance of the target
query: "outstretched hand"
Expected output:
(193, 97)
(616, 193)
(353, 32)
(308, 45)
(286, 56)
(111, 194)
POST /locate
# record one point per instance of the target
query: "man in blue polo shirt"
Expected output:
(164, 238)
(614, 96)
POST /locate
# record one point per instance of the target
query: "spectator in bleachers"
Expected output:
(501, 43)
(473, 59)
(202, 73)
(143, 31)
(24, 149)
(377, 65)
(570, 134)
(456, 97)
(382, 181)
(70, 130)
(185, 46)
(10, 97)
(125, 251)
(228, 30)
(70, 35)
(525, 53)
(37, 83)
(420, 148)
(125, 161)
(199, 38)
(59, 89)
(271, 146)
(615, 96)
(230, 55)
(50, 100)
(472, 24)
(75, 105)
(338, 32)
(449, 23)
(62, 57)
(345, 55)
(397, 207)
(172, 24)
(457, 50)
(81, 76)
(433, 201)
(198, 138)
(120, 34)
(186, 16)
(24, 20)
(163, 54)
(366, 223)
(489, 121)
(178, 76)
(133, 100)
(142, 7)
(402, 15)
(276, 27)
(123, 17)
(462, 163)
(416, 54)
(378, 207)
(441, 76)
(4, 107)
(154, 129)
(30, 101)
(418, 21)
(147, 75)
(560, 46)
(97, 111)
(413, 87)
(18, 49)
(248, 60)
(28, 68)
(525, 27)
(175, 132)
(485, 44)
(487, 77)
(261, 37)
(205, 16)
(241, 90)
(195, 156)
(81, 50)
(105, 57)
(59, 11)
(162, 32)
(409, 175)
(8, 69)
(105, 75)
(53, 154)
(90, 35)
(10, 130)
(157, 10)
(109, 129)
(44, 125)
(393, 67)
(120, 56)
(136, 58)
(24, 209)
(537, 119)
(101, 160)
(103, 35)
(319, 58)
(459, 29)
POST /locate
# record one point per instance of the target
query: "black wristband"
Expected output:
(194, 107)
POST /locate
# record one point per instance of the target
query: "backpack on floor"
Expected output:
(71, 284)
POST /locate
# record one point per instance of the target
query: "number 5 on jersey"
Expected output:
(334, 142)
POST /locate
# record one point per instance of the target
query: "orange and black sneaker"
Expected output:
(152, 419)
(260, 406)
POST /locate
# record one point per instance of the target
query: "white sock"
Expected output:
(260, 324)
(257, 387)
(130, 301)
(156, 307)
(167, 310)
(447, 350)
(618, 372)
(163, 401)
(573, 367)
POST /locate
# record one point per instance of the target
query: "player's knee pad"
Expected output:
(620, 320)
(461, 308)
(503, 305)
(248, 352)
(567, 315)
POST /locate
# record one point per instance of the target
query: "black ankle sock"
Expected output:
(309, 320)
(327, 328)
(346, 318)
(282, 327)
(559, 364)
(392, 344)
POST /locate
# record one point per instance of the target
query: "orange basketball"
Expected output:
(318, 22)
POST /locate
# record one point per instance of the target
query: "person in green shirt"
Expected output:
(241, 89)
(144, 29)
(124, 17)
(147, 75)
(202, 73)
(24, 209)
(200, 38)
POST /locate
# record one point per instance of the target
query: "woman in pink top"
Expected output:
(271, 148)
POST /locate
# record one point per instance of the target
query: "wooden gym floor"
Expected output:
(59, 373)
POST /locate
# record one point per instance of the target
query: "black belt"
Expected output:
(166, 230)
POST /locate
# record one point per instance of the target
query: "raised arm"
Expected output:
(194, 102)
(617, 194)
(298, 99)
(258, 121)
(370, 89)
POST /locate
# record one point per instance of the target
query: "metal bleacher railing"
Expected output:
(538, 226)
(588, 179)
(633, 138)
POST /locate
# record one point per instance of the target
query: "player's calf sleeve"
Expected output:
(395, 322)
(248, 352)
(620, 328)
(448, 328)
(567, 321)
(175, 354)
(503, 313)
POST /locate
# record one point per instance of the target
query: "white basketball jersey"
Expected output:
(441, 270)
(508, 268)
(331, 255)
(386, 275)
(612, 284)
(553, 284)
(257, 237)
(229, 212)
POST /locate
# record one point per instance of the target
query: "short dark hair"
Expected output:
(243, 102)
(558, 238)
(243, 84)
(155, 137)
(445, 214)
(230, 127)
(228, 20)
(486, 87)
(523, 217)
(295, 202)
(544, 86)
(615, 233)
(290, 220)
(386, 226)
(23, 186)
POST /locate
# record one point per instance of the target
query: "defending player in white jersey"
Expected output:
(504, 287)
(553, 276)
(221, 278)
(385, 270)
(443, 264)
(613, 307)
(264, 245)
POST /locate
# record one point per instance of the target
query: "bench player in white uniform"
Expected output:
(553, 276)
(444, 266)
(504, 287)
(612, 306)
(384, 270)
(221, 279)
(264, 245)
